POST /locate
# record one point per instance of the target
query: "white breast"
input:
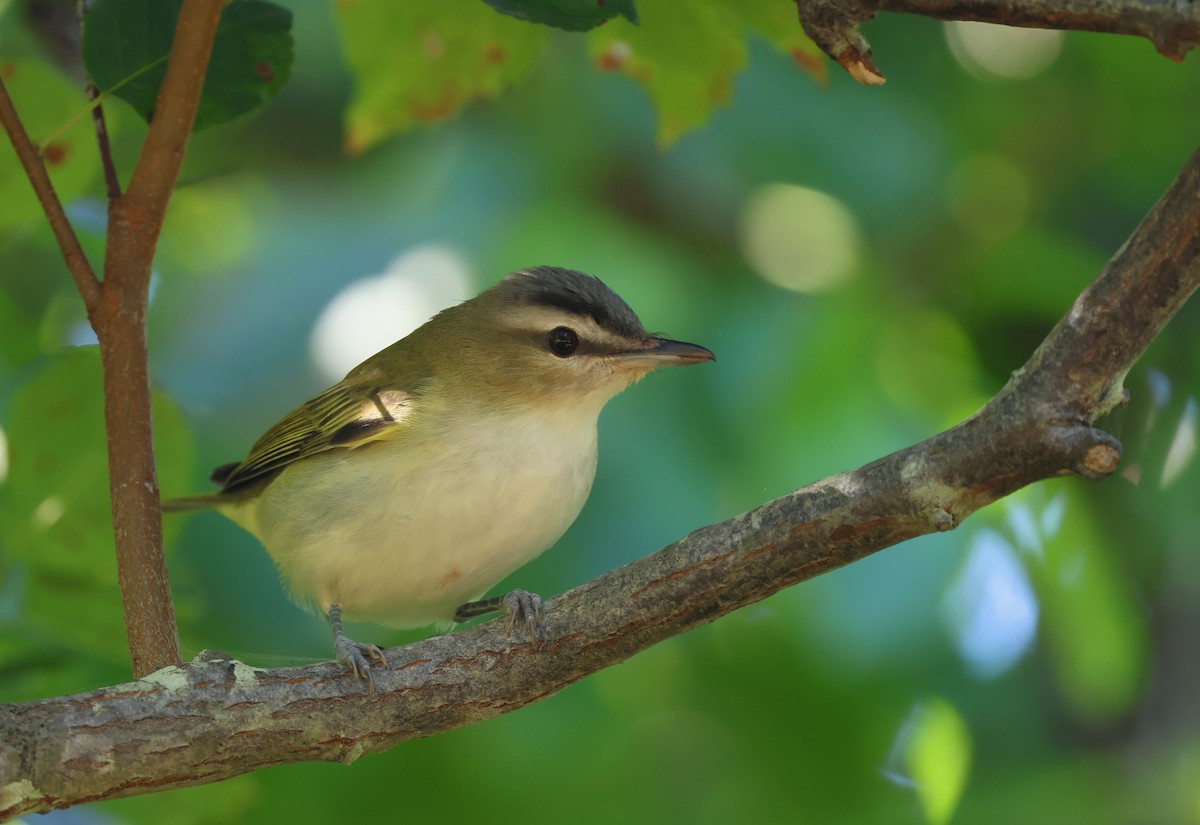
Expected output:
(403, 531)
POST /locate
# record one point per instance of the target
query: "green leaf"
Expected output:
(126, 42)
(46, 100)
(685, 55)
(777, 22)
(572, 15)
(125, 45)
(56, 522)
(416, 63)
(938, 759)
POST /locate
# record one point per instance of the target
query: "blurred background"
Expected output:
(868, 264)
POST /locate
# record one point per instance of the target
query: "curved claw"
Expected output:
(525, 607)
(355, 656)
(518, 606)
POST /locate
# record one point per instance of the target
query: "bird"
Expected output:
(446, 461)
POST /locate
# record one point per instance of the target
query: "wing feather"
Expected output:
(348, 414)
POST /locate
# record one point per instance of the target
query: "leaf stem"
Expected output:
(71, 121)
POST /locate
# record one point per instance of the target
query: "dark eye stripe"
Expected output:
(574, 304)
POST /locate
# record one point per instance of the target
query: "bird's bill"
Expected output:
(663, 352)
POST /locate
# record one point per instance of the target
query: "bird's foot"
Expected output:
(352, 654)
(520, 606)
(526, 608)
(357, 658)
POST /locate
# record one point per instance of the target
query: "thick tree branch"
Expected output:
(135, 219)
(1173, 27)
(77, 262)
(215, 718)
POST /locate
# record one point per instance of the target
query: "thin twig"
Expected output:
(77, 262)
(111, 182)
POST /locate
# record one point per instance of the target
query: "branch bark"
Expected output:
(215, 718)
(1173, 28)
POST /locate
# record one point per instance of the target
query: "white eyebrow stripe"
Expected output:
(536, 321)
(544, 319)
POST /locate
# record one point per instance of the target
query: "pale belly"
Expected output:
(402, 534)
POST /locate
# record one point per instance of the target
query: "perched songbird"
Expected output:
(441, 464)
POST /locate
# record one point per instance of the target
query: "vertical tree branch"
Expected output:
(117, 308)
(134, 222)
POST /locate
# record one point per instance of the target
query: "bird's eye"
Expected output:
(563, 341)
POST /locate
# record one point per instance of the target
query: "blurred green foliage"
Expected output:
(66, 152)
(1038, 664)
(417, 63)
(56, 510)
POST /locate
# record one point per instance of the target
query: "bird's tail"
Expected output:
(189, 503)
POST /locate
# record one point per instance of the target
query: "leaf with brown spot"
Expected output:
(684, 55)
(416, 63)
(780, 26)
(46, 100)
(125, 46)
(55, 153)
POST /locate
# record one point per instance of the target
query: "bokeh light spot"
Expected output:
(993, 52)
(1053, 515)
(1024, 526)
(1183, 445)
(1160, 387)
(3, 456)
(375, 312)
(932, 755)
(991, 608)
(49, 512)
(798, 238)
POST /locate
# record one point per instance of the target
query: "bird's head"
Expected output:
(552, 336)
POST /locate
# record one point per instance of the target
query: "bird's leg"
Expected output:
(519, 605)
(353, 654)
